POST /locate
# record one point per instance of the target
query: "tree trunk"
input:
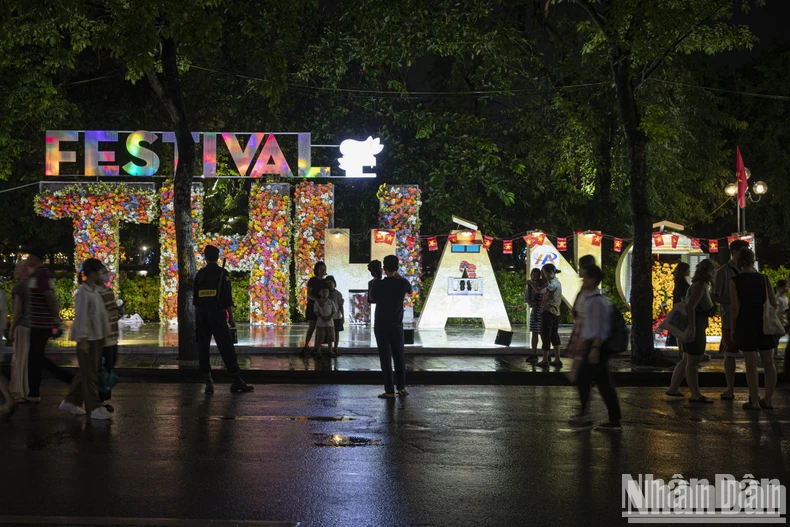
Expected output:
(641, 300)
(168, 88)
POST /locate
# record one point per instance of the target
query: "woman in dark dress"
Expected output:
(315, 284)
(748, 293)
(699, 307)
(680, 274)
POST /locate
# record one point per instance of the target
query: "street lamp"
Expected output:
(759, 188)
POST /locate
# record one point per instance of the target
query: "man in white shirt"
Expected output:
(721, 294)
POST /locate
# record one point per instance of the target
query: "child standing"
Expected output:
(325, 326)
(91, 326)
(534, 300)
(107, 376)
(337, 298)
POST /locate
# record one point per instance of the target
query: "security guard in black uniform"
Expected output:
(213, 302)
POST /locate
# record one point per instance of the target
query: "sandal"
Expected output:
(386, 395)
(748, 406)
(676, 394)
(727, 396)
(763, 405)
(701, 399)
(404, 393)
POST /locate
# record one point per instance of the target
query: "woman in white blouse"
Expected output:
(91, 326)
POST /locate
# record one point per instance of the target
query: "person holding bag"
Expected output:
(699, 308)
(754, 327)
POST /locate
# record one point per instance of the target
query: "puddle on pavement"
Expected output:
(332, 419)
(338, 441)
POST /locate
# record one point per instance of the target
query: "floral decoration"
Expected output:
(314, 210)
(399, 209)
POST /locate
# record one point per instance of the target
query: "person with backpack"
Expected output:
(699, 308)
(602, 334)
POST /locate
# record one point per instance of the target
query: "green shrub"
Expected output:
(776, 274)
(512, 286)
(63, 290)
(140, 294)
(240, 289)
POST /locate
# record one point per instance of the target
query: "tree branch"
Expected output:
(598, 19)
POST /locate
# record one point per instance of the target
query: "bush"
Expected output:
(512, 286)
(140, 294)
(240, 289)
(776, 274)
(63, 290)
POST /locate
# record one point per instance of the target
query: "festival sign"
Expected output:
(110, 153)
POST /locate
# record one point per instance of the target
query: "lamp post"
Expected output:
(759, 188)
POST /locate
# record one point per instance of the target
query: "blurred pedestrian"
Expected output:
(780, 291)
(19, 333)
(534, 300)
(44, 323)
(681, 286)
(595, 332)
(388, 294)
(721, 295)
(576, 343)
(108, 378)
(91, 326)
(325, 311)
(550, 314)
(699, 308)
(749, 291)
(313, 285)
(7, 407)
(340, 314)
(213, 314)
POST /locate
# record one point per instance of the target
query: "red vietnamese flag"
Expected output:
(432, 243)
(675, 240)
(453, 238)
(539, 239)
(389, 237)
(507, 247)
(530, 240)
(742, 181)
(695, 243)
(713, 246)
(731, 239)
(618, 245)
(596, 239)
(487, 241)
(380, 237)
(410, 241)
(658, 239)
(562, 244)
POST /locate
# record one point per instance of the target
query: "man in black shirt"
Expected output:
(388, 295)
(213, 311)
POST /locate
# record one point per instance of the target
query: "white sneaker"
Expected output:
(71, 408)
(101, 413)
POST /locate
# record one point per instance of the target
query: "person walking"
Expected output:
(213, 312)
(699, 308)
(749, 291)
(325, 311)
(596, 330)
(534, 300)
(550, 314)
(44, 319)
(107, 376)
(316, 282)
(7, 408)
(91, 326)
(19, 333)
(576, 343)
(780, 292)
(721, 295)
(388, 294)
(681, 286)
(340, 313)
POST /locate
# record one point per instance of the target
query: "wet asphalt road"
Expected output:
(338, 456)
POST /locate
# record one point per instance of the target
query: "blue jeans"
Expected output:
(390, 343)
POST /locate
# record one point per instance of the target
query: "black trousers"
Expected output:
(390, 345)
(36, 361)
(598, 373)
(109, 354)
(212, 322)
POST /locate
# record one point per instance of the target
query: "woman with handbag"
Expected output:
(680, 277)
(755, 327)
(699, 307)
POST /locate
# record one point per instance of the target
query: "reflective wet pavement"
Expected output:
(337, 455)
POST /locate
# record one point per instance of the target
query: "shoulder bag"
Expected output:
(771, 323)
(677, 321)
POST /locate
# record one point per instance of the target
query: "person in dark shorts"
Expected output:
(550, 314)
(316, 282)
(337, 298)
(699, 308)
(534, 300)
(749, 291)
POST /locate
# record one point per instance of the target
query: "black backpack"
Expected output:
(618, 340)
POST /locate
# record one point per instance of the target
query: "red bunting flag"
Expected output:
(731, 239)
(713, 246)
(596, 239)
(453, 238)
(675, 240)
(433, 245)
(530, 240)
(539, 239)
(507, 247)
(389, 237)
(487, 241)
(562, 244)
(380, 236)
(743, 184)
(658, 239)
(618, 245)
(695, 243)
(410, 241)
